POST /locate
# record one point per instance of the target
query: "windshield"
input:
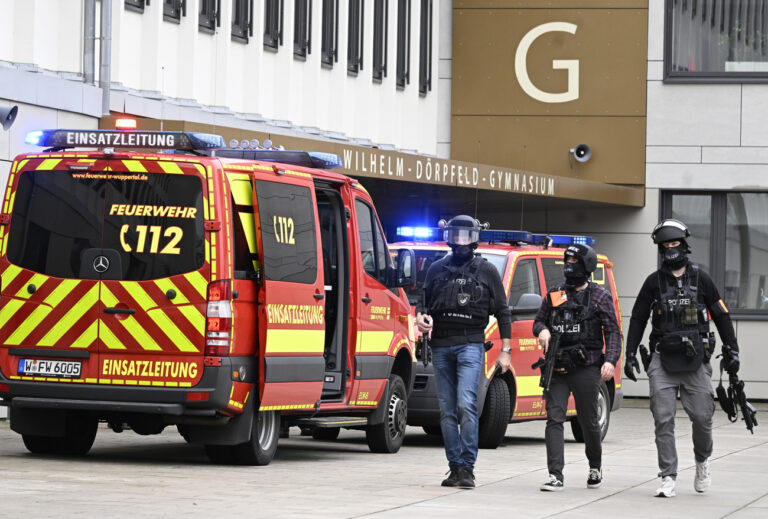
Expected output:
(425, 258)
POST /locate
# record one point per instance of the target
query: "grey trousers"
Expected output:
(698, 400)
(584, 383)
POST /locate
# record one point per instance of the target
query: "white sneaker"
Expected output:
(703, 480)
(667, 488)
(553, 485)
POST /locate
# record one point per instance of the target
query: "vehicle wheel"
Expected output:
(326, 433)
(495, 417)
(603, 415)
(260, 449)
(388, 436)
(433, 430)
(79, 434)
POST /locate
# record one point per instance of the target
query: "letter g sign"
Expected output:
(571, 65)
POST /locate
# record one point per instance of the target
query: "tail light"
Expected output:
(218, 319)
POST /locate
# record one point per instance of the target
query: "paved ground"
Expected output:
(162, 476)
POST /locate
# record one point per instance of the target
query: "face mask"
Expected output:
(675, 257)
(575, 274)
(462, 252)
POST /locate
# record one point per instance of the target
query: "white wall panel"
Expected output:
(754, 113)
(707, 176)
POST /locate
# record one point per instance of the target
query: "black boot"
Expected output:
(452, 479)
(466, 478)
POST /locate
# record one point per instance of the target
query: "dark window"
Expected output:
(209, 16)
(273, 24)
(57, 218)
(355, 36)
(553, 272)
(373, 247)
(403, 43)
(330, 34)
(425, 48)
(242, 20)
(380, 25)
(173, 10)
(729, 239)
(136, 5)
(302, 28)
(288, 236)
(525, 280)
(716, 40)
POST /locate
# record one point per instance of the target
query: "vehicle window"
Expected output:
(598, 276)
(553, 271)
(288, 225)
(156, 225)
(524, 281)
(373, 247)
(56, 217)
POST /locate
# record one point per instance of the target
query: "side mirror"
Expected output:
(527, 305)
(404, 273)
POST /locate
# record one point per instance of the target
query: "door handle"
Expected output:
(319, 296)
(112, 310)
(366, 299)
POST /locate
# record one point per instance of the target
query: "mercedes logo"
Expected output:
(100, 264)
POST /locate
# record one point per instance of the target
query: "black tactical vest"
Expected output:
(459, 297)
(577, 325)
(681, 320)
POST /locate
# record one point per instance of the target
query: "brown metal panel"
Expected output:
(550, 4)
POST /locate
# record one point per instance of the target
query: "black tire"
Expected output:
(327, 434)
(433, 430)
(79, 434)
(603, 415)
(496, 413)
(261, 448)
(387, 437)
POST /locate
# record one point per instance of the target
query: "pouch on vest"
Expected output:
(681, 351)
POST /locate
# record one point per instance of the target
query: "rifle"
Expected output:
(423, 351)
(547, 363)
(645, 357)
(734, 400)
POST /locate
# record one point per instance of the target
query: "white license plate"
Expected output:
(50, 368)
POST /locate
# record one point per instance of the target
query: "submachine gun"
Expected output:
(423, 351)
(733, 400)
(547, 363)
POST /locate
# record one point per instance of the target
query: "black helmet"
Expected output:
(461, 230)
(585, 254)
(670, 230)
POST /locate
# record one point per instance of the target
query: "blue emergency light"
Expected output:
(418, 233)
(563, 239)
(62, 139)
(307, 159)
(491, 235)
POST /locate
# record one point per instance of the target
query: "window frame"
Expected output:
(329, 36)
(525, 261)
(425, 48)
(136, 5)
(209, 17)
(403, 65)
(243, 29)
(377, 254)
(671, 76)
(302, 29)
(173, 10)
(355, 34)
(273, 24)
(717, 255)
(380, 39)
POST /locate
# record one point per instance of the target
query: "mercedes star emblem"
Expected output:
(100, 264)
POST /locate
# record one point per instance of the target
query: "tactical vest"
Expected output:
(577, 325)
(459, 297)
(681, 321)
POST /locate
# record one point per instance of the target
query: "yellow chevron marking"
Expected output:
(71, 317)
(135, 166)
(249, 227)
(29, 324)
(9, 309)
(528, 385)
(192, 314)
(88, 336)
(197, 280)
(241, 191)
(200, 169)
(130, 324)
(165, 285)
(374, 342)
(110, 339)
(295, 341)
(37, 280)
(60, 292)
(9, 274)
(171, 167)
(48, 164)
(160, 318)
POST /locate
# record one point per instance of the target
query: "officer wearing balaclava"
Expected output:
(680, 298)
(461, 291)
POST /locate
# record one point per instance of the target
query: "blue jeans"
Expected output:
(457, 374)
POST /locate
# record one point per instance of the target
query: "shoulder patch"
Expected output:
(557, 298)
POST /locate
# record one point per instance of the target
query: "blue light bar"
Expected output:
(417, 233)
(34, 137)
(187, 141)
(563, 239)
(491, 235)
(325, 160)
(307, 159)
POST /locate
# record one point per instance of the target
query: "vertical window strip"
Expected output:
(425, 48)
(380, 25)
(330, 37)
(403, 43)
(273, 24)
(302, 28)
(209, 15)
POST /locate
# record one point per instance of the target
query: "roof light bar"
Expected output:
(187, 141)
(563, 239)
(307, 159)
(505, 236)
(417, 233)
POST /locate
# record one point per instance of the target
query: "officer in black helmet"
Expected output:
(461, 291)
(679, 298)
(581, 316)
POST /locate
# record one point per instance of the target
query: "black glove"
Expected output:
(731, 363)
(630, 366)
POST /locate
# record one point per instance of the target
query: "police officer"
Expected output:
(581, 316)
(461, 290)
(679, 297)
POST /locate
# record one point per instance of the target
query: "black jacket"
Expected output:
(649, 293)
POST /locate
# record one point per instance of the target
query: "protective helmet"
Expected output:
(461, 230)
(584, 253)
(670, 230)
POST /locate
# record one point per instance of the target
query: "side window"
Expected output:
(288, 234)
(373, 247)
(599, 275)
(524, 281)
(553, 271)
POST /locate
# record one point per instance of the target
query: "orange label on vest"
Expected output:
(558, 298)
